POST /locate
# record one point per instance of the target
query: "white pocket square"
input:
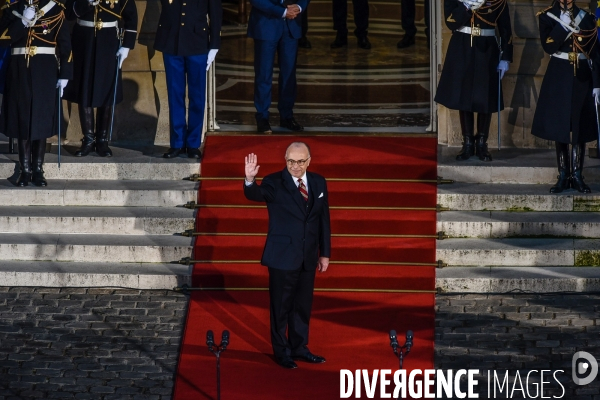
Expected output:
(321, 195)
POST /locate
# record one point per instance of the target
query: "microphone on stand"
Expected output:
(210, 340)
(393, 340)
(224, 340)
(409, 341)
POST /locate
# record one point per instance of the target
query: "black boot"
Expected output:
(577, 157)
(38, 150)
(483, 130)
(562, 159)
(103, 121)
(88, 143)
(24, 162)
(467, 125)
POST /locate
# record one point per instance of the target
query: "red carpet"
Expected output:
(382, 199)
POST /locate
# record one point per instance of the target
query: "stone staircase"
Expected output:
(99, 222)
(507, 232)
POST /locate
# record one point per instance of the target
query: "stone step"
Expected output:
(499, 224)
(96, 220)
(515, 197)
(90, 274)
(522, 166)
(144, 164)
(519, 252)
(119, 193)
(504, 279)
(95, 248)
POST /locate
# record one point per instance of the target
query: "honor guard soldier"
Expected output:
(99, 48)
(38, 71)
(476, 59)
(566, 108)
(6, 18)
(189, 36)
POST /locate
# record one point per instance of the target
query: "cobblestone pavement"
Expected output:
(123, 344)
(519, 332)
(89, 343)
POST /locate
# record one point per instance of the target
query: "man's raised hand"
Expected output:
(251, 167)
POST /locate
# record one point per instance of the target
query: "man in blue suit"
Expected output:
(275, 27)
(298, 243)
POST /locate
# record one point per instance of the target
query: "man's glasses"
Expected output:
(300, 163)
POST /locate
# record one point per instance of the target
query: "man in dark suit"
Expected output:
(275, 27)
(298, 243)
(189, 43)
(361, 20)
(408, 11)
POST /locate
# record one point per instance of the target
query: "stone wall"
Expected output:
(521, 84)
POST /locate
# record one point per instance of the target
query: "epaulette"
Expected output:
(60, 3)
(543, 11)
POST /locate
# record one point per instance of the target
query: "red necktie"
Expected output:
(302, 189)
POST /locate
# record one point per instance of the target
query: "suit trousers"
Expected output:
(407, 18)
(361, 16)
(291, 297)
(180, 70)
(264, 55)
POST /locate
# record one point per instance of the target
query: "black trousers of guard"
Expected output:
(291, 297)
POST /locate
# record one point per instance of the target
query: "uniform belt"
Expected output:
(476, 31)
(98, 24)
(32, 51)
(569, 56)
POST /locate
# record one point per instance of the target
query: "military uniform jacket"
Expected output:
(6, 17)
(469, 79)
(94, 50)
(29, 107)
(189, 27)
(565, 103)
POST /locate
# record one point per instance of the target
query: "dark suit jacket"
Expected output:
(183, 29)
(266, 23)
(298, 233)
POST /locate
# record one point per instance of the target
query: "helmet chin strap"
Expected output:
(566, 5)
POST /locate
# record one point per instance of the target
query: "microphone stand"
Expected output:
(217, 350)
(401, 351)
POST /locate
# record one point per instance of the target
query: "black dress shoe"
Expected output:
(291, 124)
(263, 126)
(304, 43)
(287, 362)
(363, 43)
(341, 40)
(194, 153)
(172, 153)
(310, 358)
(406, 41)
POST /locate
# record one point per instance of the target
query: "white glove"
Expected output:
(596, 94)
(211, 57)
(566, 18)
(61, 85)
(122, 54)
(502, 68)
(29, 14)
